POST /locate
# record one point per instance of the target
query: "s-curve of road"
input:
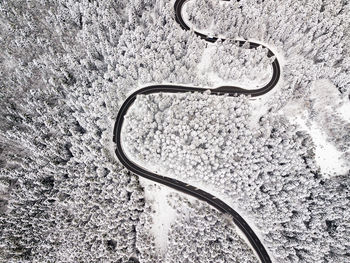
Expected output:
(178, 185)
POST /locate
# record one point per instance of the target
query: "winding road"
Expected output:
(178, 185)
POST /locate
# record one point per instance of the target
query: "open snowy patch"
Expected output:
(173, 213)
(219, 239)
(164, 215)
(316, 115)
(66, 67)
(206, 141)
(327, 156)
(344, 111)
(225, 63)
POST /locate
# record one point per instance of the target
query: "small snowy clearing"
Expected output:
(344, 111)
(324, 99)
(164, 215)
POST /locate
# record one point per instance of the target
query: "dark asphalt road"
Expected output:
(178, 185)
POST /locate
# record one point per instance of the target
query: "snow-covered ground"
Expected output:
(281, 160)
(259, 76)
(308, 115)
(205, 67)
(164, 215)
(328, 158)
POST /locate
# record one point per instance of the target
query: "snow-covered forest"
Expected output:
(282, 160)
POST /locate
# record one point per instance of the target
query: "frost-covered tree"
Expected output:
(202, 234)
(269, 172)
(66, 67)
(315, 37)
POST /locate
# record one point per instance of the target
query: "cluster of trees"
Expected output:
(198, 233)
(269, 172)
(200, 14)
(249, 68)
(313, 41)
(323, 109)
(337, 130)
(202, 234)
(67, 66)
(187, 132)
(63, 197)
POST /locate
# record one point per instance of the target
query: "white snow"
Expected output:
(344, 110)
(164, 215)
(325, 94)
(157, 195)
(262, 104)
(327, 156)
(209, 53)
(206, 58)
(207, 31)
(214, 78)
(326, 100)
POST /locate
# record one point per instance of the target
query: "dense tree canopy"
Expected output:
(67, 66)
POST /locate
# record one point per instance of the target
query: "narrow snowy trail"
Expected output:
(176, 184)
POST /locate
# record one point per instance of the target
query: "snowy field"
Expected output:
(281, 160)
